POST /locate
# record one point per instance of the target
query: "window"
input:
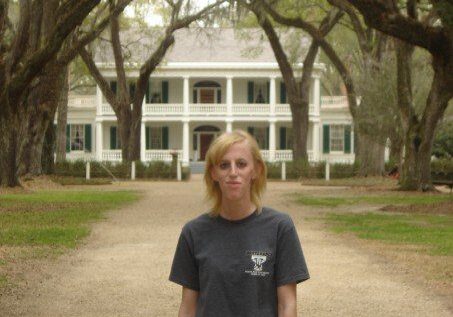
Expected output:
(156, 92)
(260, 93)
(77, 137)
(337, 138)
(260, 136)
(156, 138)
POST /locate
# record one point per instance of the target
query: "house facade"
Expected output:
(203, 88)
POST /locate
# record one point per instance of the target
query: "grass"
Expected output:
(433, 232)
(57, 219)
(69, 180)
(394, 199)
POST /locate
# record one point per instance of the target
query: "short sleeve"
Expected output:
(184, 270)
(290, 266)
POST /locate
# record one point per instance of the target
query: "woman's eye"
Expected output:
(224, 165)
(242, 164)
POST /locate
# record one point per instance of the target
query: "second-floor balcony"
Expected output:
(201, 109)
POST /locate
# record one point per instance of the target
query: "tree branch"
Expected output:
(100, 80)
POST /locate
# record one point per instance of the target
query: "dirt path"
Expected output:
(122, 268)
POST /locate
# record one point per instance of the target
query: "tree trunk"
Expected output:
(420, 133)
(48, 150)
(370, 157)
(9, 145)
(42, 106)
(300, 131)
(62, 119)
(129, 125)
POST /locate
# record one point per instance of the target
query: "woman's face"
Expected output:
(235, 172)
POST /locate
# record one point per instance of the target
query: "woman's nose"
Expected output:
(234, 169)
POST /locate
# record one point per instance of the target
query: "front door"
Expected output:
(205, 141)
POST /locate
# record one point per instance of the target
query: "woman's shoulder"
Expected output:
(281, 218)
(198, 222)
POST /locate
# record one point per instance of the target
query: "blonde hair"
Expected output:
(216, 151)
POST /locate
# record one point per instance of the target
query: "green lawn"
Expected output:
(393, 199)
(56, 219)
(433, 232)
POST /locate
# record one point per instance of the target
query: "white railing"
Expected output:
(208, 108)
(163, 108)
(111, 155)
(80, 101)
(214, 109)
(161, 155)
(107, 109)
(338, 158)
(334, 101)
(80, 155)
(251, 108)
(287, 155)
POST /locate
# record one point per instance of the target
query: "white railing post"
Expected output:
(327, 169)
(87, 174)
(133, 170)
(272, 95)
(178, 169)
(283, 171)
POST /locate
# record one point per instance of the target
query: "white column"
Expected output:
(142, 142)
(185, 143)
(272, 140)
(316, 94)
(98, 100)
(99, 141)
(229, 96)
(315, 141)
(186, 95)
(272, 95)
(229, 126)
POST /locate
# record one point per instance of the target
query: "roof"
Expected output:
(207, 45)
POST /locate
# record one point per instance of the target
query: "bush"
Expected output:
(154, 169)
(303, 169)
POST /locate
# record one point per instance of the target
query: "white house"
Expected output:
(204, 87)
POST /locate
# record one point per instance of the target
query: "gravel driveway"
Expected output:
(122, 268)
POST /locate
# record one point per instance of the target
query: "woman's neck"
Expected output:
(236, 210)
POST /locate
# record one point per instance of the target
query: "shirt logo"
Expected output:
(258, 259)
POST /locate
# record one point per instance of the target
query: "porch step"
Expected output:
(197, 167)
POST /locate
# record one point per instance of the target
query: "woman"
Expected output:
(240, 258)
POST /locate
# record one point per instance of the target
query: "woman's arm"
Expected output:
(287, 300)
(188, 303)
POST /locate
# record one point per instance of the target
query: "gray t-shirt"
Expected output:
(237, 265)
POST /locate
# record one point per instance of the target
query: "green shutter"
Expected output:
(326, 139)
(113, 86)
(147, 93)
(195, 99)
(268, 88)
(88, 137)
(347, 139)
(267, 138)
(131, 90)
(165, 138)
(68, 138)
(165, 91)
(250, 91)
(250, 130)
(282, 92)
(148, 138)
(112, 138)
(219, 96)
(282, 138)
